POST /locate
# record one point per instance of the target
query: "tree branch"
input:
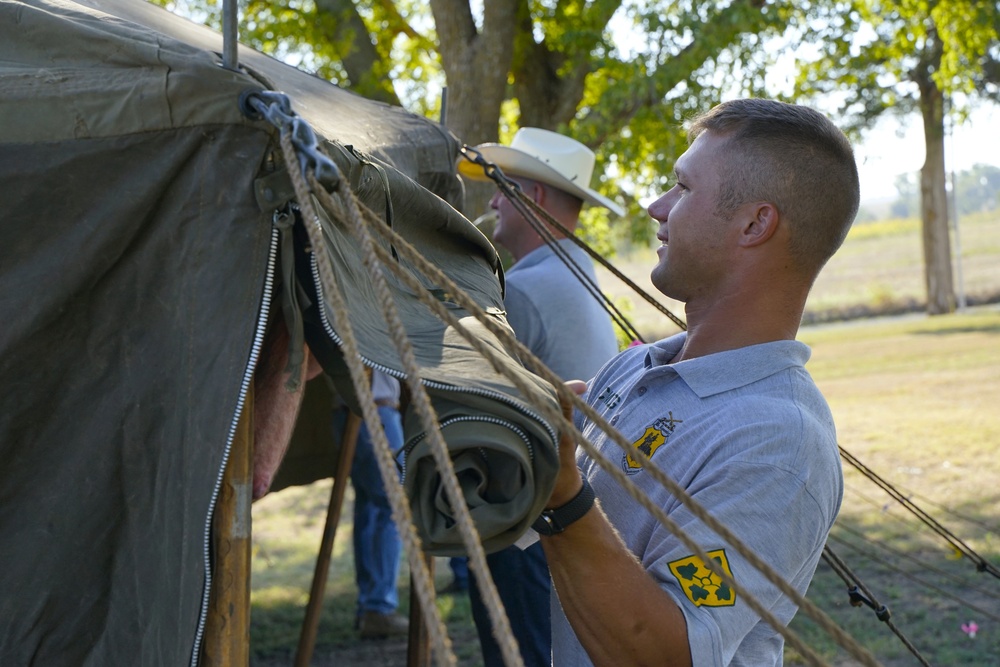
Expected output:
(341, 24)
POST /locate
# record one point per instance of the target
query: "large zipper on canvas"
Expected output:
(258, 343)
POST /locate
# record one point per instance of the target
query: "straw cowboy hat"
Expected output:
(547, 157)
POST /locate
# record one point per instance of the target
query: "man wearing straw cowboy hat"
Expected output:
(557, 318)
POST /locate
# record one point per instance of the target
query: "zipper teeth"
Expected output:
(258, 342)
(432, 384)
(417, 439)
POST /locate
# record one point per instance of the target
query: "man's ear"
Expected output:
(538, 193)
(760, 224)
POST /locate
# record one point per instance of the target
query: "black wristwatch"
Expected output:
(556, 520)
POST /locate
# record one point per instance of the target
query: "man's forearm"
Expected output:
(619, 613)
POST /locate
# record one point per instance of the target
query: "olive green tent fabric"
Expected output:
(424, 151)
(131, 276)
(134, 273)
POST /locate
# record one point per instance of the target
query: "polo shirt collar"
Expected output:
(725, 371)
(538, 255)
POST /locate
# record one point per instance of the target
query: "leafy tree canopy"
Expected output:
(620, 75)
(874, 55)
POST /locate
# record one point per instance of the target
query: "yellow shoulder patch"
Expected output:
(701, 585)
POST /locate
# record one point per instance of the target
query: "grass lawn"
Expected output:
(915, 398)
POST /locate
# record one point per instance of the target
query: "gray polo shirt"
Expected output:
(555, 316)
(747, 433)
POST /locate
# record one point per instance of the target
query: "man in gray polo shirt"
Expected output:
(764, 195)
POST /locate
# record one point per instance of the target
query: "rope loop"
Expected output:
(276, 108)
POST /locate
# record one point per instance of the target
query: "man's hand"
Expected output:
(568, 482)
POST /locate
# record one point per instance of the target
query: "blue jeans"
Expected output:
(522, 579)
(377, 545)
(460, 570)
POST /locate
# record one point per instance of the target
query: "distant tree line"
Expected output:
(975, 190)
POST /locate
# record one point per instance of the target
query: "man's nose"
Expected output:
(495, 200)
(660, 208)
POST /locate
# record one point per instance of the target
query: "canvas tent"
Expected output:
(135, 280)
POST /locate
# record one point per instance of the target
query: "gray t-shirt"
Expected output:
(555, 316)
(747, 433)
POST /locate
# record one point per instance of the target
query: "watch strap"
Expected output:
(556, 520)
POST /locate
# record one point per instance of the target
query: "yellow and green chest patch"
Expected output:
(656, 436)
(701, 585)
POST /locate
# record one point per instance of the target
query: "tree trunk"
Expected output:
(933, 197)
(476, 64)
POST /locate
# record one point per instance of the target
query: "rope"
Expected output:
(348, 208)
(947, 510)
(512, 191)
(859, 594)
(440, 641)
(919, 563)
(409, 254)
(877, 562)
(982, 565)
(518, 201)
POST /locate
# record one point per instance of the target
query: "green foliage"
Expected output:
(872, 52)
(976, 190)
(679, 60)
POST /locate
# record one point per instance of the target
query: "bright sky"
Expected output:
(882, 154)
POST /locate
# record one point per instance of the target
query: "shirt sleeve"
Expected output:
(524, 319)
(773, 510)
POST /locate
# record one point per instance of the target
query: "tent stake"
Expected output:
(307, 639)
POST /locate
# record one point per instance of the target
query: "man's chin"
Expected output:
(659, 279)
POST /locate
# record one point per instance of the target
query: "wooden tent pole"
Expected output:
(227, 624)
(307, 639)
(418, 648)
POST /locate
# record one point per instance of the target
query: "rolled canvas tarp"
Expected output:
(134, 276)
(508, 461)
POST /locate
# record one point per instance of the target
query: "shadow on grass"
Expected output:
(276, 623)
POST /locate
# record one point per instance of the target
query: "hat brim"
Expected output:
(514, 162)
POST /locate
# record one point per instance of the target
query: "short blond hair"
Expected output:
(794, 157)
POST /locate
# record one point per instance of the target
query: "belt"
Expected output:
(387, 403)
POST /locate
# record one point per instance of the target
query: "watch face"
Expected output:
(543, 524)
(554, 521)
